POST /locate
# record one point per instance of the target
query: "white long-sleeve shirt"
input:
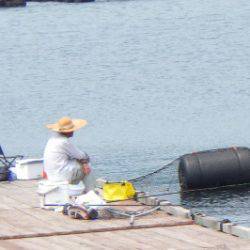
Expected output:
(60, 157)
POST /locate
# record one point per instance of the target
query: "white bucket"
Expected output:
(28, 169)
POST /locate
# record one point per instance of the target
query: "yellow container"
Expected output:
(118, 191)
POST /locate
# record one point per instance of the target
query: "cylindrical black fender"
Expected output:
(215, 168)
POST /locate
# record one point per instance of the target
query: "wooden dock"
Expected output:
(23, 225)
(12, 3)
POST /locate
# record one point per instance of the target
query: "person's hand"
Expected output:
(86, 169)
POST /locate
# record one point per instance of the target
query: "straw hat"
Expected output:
(67, 125)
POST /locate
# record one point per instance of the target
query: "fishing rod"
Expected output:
(111, 205)
(138, 205)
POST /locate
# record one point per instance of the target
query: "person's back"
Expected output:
(56, 158)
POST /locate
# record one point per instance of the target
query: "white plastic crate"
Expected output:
(29, 169)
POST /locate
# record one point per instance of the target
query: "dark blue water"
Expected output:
(154, 78)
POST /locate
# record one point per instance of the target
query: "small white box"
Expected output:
(53, 193)
(57, 193)
(29, 169)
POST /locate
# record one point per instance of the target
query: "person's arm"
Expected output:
(75, 153)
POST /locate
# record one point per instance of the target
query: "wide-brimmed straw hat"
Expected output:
(67, 125)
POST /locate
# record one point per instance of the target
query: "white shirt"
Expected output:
(60, 157)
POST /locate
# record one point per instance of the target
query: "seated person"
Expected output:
(62, 160)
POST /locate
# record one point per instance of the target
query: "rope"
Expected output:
(139, 178)
(171, 182)
(193, 190)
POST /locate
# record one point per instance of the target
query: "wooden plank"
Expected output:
(136, 239)
(210, 235)
(133, 239)
(20, 199)
(57, 242)
(90, 230)
(182, 238)
(82, 239)
(186, 234)
(7, 229)
(110, 240)
(9, 203)
(119, 240)
(24, 245)
(52, 243)
(154, 240)
(20, 217)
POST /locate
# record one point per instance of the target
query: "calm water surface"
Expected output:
(155, 79)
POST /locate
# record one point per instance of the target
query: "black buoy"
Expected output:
(215, 168)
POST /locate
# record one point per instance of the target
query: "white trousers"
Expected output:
(77, 175)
